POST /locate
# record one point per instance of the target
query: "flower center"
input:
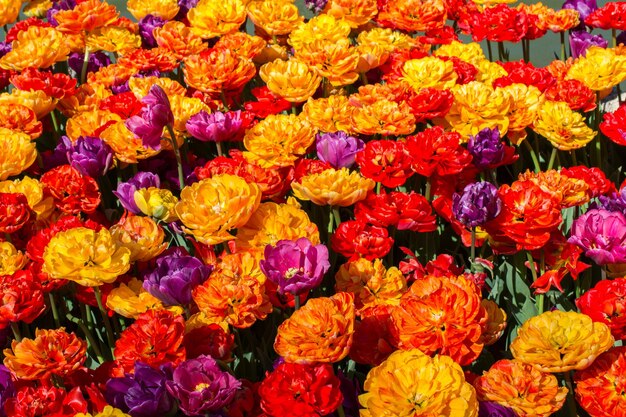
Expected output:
(201, 386)
(291, 272)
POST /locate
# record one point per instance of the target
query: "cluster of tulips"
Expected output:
(222, 208)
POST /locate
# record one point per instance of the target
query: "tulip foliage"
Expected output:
(240, 208)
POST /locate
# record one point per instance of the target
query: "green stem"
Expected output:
(16, 331)
(57, 381)
(489, 50)
(533, 155)
(55, 312)
(83, 71)
(220, 150)
(7, 236)
(224, 101)
(179, 162)
(296, 301)
(340, 411)
(473, 249)
(552, 159)
(562, 46)
(428, 190)
(502, 54)
(88, 335)
(598, 143)
(533, 271)
(105, 318)
(330, 221)
(571, 401)
(582, 284)
(336, 215)
(55, 123)
(614, 37)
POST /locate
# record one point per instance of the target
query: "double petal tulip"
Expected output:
(155, 338)
(142, 393)
(478, 204)
(410, 383)
(523, 388)
(17, 153)
(321, 331)
(200, 386)
(292, 80)
(297, 266)
(333, 187)
(602, 235)
(302, 390)
(441, 315)
(209, 209)
(338, 149)
(142, 235)
(176, 274)
(51, 352)
(216, 127)
(90, 156)
(486, 148)
(85, 256)
(558, 341)
(606, 303)
(600, 388)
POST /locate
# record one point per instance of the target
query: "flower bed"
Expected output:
(362, 213)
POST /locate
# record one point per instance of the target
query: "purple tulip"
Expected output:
(215, 127)
(486, 148)
(7, 389)
(143, 393)
(95, 61)
(478, 204)
(126, 190)
(5, 48)
(315, 6)
(490, 409)
(602, 234)
(185, 5)
(612, 202)
(295, 266)
(89, 155)
(583, 7)
(155, 115)
(176, 274)
(58, 156)
(200, 386)
(146, 25)
(350, 389)
(338, 149)
(581, 40)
